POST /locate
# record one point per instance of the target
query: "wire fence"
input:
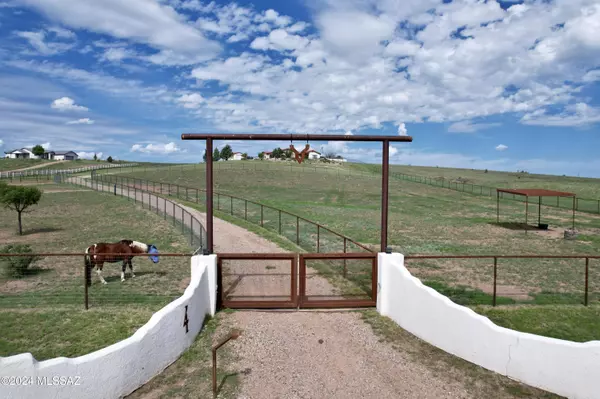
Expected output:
(191, 226)
(305, 233)
(48, 174)
(510, 279)
(581, 204)
(62, 280)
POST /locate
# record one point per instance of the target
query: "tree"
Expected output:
(245, 155)
(204, 156)
(261, 155)
(330, 155)
(38, 150)
(277, 153)
(216, 155)
(288, 153)
(95, 157)
(226, 152)
(109, 159)
(19, 198)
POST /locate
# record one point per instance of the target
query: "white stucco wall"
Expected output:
(119, 369)
(566, 368)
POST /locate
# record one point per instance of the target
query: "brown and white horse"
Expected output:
(123, 250)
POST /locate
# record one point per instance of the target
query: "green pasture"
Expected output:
(423, 220)
(67, 220)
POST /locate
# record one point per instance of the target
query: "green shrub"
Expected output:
(17, 266)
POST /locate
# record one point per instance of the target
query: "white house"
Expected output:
(267, 154)
(61, 155)
(26, 153)
(312, 154)
(237, 156)
(21, 153)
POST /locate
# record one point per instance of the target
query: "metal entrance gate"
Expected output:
(289, 280)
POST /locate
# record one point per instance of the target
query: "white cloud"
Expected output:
(156, 148)
(62, 33)
(274, 17)
(501, 147)
(141, 21)
(83, 121)
(348, 133)
(193, 100)
(38, 41)
(67, 104)
(89, 155)
(470, 127)
(579, 114)
(402, 131)
(1, 142)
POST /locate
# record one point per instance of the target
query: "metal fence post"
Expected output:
(173, 213)
(280, 222)
(261, 215)
(495, 274)
(87, 279)
(245, 210)
(587, 270)
(231, 198)
(345, 263)
(297, 230)
(318, 238)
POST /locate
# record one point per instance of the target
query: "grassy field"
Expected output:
(423, 220)
(12, 164)
(583, 187)
(51, 296)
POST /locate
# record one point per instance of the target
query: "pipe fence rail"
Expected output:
(48, 174)
(190, 225)
(306, 234)
(574, 288)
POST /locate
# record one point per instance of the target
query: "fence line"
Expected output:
(495, 258)
(587, 205)
(317, 240)
(52, 172)
(188, 222)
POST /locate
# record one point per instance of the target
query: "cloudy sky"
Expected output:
(478, 84)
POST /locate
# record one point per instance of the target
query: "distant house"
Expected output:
(337, 158)
(20, 153)
(26, 153)
(237, 156)
(267, 154)
(312, 154)
(61, 155)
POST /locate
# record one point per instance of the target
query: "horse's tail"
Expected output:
(87, 260)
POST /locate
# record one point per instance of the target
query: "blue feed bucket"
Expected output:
(153, 250)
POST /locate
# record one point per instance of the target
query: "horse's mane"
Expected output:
(128, 242)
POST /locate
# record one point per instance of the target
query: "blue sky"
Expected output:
(505, 85)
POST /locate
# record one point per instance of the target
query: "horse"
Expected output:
(123, 249)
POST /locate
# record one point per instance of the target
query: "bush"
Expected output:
(17, 266)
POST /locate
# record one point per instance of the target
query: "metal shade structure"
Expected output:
(533, 192)
(209, 137)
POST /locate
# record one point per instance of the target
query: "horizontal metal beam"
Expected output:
(298, 137)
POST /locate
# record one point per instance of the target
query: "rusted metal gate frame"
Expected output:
(303, 301)
(258, 304)
(298, 298)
